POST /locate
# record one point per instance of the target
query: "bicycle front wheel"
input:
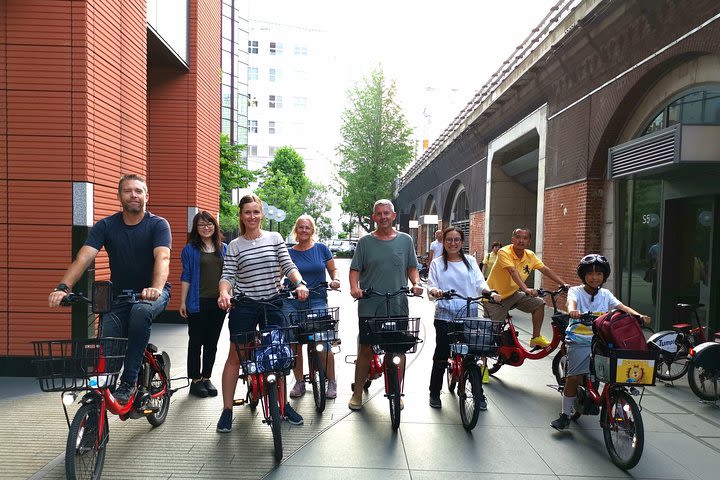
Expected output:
(703, 383)
(317, 377)
(470, 394)
(559, 367)
(85, 449)
(673, 366)
(275, 419)
(392, 382)
(451, 377)
(160, 404)
(622, 428)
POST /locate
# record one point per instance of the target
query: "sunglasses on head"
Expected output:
(593, 258)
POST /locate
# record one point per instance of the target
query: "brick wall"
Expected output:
(476, 242)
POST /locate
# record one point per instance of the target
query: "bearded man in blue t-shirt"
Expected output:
(138, 246)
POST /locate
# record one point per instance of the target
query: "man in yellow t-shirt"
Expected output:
(512, 267)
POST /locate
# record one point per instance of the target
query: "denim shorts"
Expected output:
(245, 317)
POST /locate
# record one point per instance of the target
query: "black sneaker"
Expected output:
(224, 425)
(124, 392)
(482, 403)
(435, 401)
(292, 417)
(562, 422)
(211, 390)
(198, 389)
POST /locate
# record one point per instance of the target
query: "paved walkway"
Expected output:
(512, 439)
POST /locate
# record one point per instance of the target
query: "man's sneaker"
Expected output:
(298, 390)
(435, 401)
(225, 423)
(486, 375)
(124, 392)
(292, 417)
(482, 403)
(539, 341)
(198, 389)
(331, 389)
(562, 422)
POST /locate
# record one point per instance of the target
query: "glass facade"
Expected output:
(234, 88)
(170, 21)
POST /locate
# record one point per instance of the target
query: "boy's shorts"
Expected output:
(578, 359)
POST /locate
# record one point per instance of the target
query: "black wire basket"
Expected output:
(476, 335)
(394, 334)
(78, 364)
(317, 325)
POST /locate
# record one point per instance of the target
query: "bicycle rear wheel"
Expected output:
(317, 377)
(275, 419)
(470, 393)
(85, 449)
(392, 381)
(677, 367)
(702, 383)
(622, 428)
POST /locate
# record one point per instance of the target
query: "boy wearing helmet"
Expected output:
(593, 271)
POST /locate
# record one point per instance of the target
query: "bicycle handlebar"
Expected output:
(553, 293)
(403, 290)
(243, 298)
(483, 296)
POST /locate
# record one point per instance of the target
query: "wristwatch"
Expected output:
(61, 288)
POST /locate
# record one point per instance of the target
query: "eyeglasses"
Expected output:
(206, 226)
(453, 240)
(593, 258)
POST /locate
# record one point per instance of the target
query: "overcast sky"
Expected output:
(439, 53)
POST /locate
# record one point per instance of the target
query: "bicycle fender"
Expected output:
(707, 356)
(664, 340)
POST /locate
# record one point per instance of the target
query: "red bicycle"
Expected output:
(473, 340)
(512, 352)
(266, 359)
(93, 366)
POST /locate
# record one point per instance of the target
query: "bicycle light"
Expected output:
(68, 398)
(271, 378)
(335, 349)
(319, 347)
(396, 359)
(626, 408)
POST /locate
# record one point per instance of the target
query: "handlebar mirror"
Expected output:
(102, 297)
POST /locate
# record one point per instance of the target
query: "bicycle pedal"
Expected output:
(634, 392)
(239, 402)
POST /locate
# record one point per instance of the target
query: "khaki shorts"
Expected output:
(521, 301)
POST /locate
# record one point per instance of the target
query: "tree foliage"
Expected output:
(376, 146)
(317, 204)
(233, 174)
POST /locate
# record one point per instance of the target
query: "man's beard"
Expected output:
(133, 208)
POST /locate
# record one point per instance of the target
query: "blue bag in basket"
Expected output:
(273, 354)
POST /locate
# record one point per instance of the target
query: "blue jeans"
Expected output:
(134, 321)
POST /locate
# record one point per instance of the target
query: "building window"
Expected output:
(252, 101)
(253, 46)
(253, 126)
(301, 50)
(252, 150)
(275, 74)
(696, 107)
(252, 73)
(300, 102)
(275, 101)
(276, 48)
(271, 151)
(271, 127)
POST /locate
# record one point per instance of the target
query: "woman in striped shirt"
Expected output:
(255, 265)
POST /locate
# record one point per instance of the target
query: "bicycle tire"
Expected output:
(275, 420)
(702, 383)
(451, 379)
(84, 454)
(318, 379)
(470, 392)
(675, 370)
(161, 404)
(392, 373)
(622, 429)
(494, 365)
(559, 367)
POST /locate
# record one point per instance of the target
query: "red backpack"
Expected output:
(620, 330)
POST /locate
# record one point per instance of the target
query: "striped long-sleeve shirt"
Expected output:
(256, 267)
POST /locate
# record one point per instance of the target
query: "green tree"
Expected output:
(376, 146)
(317, 205)
(285, 186)
(233, 174)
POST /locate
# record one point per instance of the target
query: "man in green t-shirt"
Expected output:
(384, 261)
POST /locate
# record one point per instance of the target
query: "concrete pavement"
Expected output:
(512, 439)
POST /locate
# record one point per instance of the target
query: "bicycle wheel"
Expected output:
(275, 419)
(161, 404)
(622, 429)
(392, 381)
(451, 379)
(559, 367)
(317, 378)
(469, 395)
(702, 383)
(677, 367)
(85, 452)
(253, 394)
